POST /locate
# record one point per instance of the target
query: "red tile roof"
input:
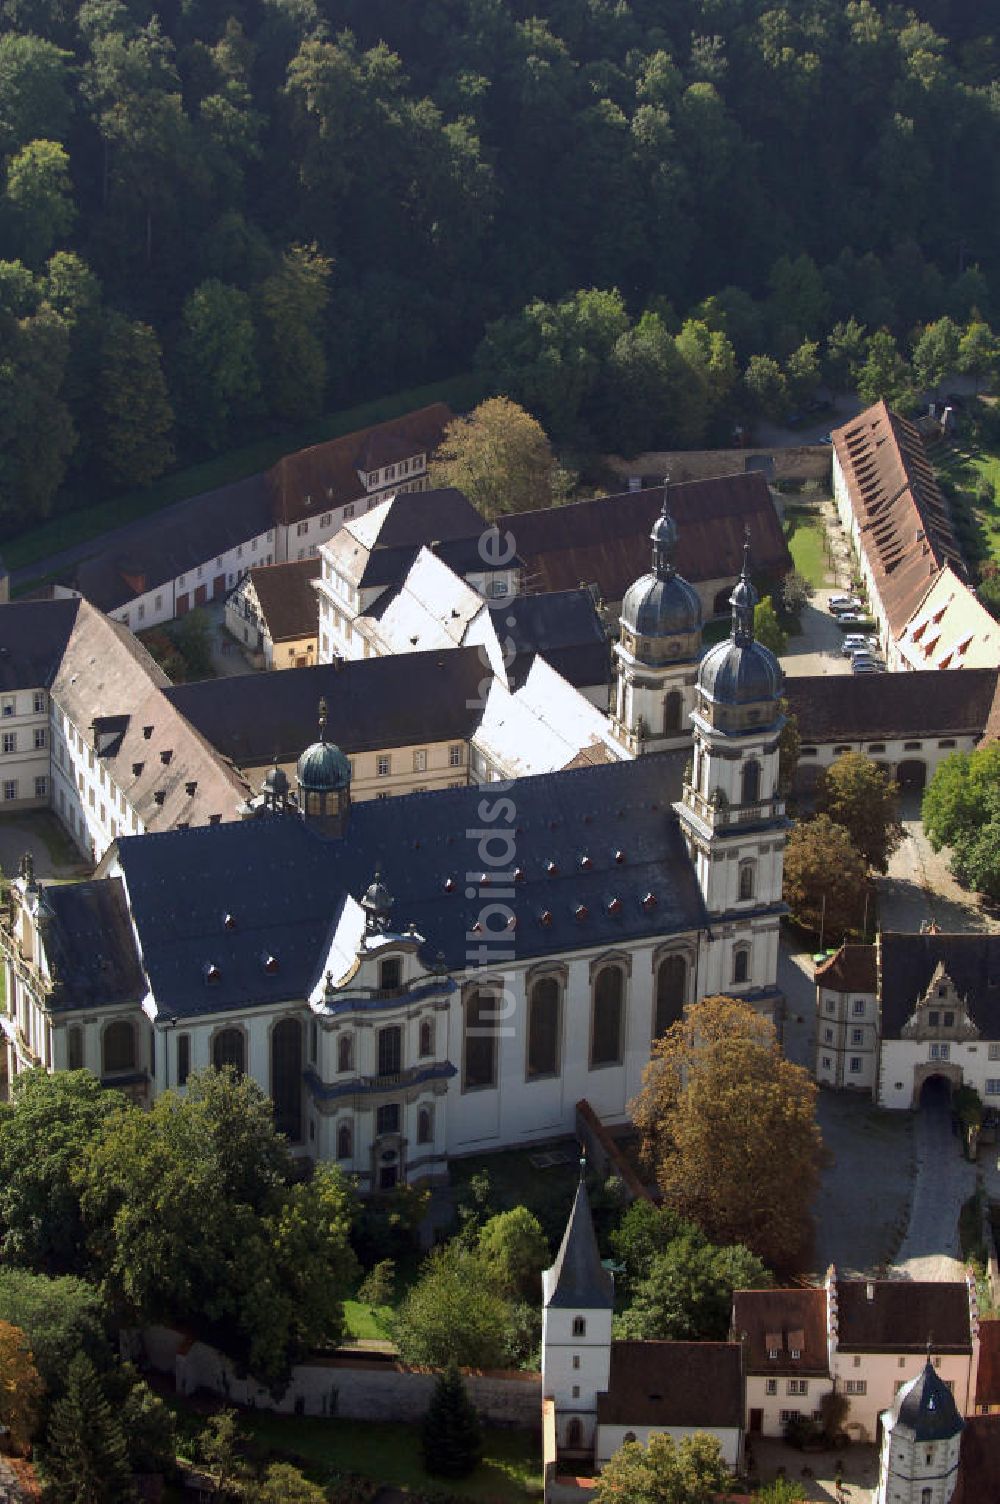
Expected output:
(306, 484)
(979, 1461)
(606, 540)
(673, 1384)
(771, 1319)
(288, 602)
(852, 969)
(988, 1380)
(902, 1315)
(905, 524)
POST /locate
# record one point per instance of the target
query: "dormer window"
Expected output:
(772, 1352)
(796, 1352)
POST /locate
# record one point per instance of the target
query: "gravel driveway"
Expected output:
(944, 1180)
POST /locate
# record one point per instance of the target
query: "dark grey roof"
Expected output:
(927, 1409)
(174, 542)
(404, 699)
(282, 881)
(664, 1384)
(898, 1315)
(417, 517)
(578, 1279)
(33, 638)
(906, 965)
(658, 607)
(877, 707)
(90, 944)
(562, 625)
(389, 566)
(738, 675)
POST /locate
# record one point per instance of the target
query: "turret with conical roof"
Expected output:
(578, 1278)
(921, 1440)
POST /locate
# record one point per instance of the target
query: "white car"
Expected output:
(844, 603)
(854, 643)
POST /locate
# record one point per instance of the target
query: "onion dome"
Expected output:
(377, 903)
(276, 784)
(661, 603)
(925, 1409)
(323, 768)
(740, 670)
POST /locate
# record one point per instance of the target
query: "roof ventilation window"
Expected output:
(165, 756)
(269, 962)
(137, 768)
(552, 868)
(615, 906)
(211, 973)
(619, 857)
(229, 921)
(147, 732)
(191, 786)
(159, 796)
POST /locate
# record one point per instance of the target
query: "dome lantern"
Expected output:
(323, 774)
(740, 670)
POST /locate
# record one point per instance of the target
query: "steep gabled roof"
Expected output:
(666, 1384)
(782, 1321)
(287, 600)
(33, 638)
(907, 963)
(852, 969)
(563, 626)
(578, 1280)
(903, 1315)
(90, 945)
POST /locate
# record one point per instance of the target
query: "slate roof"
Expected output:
(562, 625)
(401, 700)
(903, 1316)
(168, 772)
(695, 1384)
(879, 707)
(605, 541)
(143, 556)
(431, 608)
(33, 638)
(988, 1376)
(328, 473)
(90, 945)
(387, 566)
(905, 524)
(785, 1314)
(281, 880)
(288, 602)
(926, 1409)
(578, 1280)
(906, 965)
(852, 969)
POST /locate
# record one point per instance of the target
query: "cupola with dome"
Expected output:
(659, 645)
(323, 775)
(921, 1442)
(740, 671)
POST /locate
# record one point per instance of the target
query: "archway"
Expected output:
(935, 1093)
(911, 775)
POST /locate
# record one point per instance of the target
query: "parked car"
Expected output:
(849, 618)
(864, 666)
(840, 603)
(854, 643)
(840, 600)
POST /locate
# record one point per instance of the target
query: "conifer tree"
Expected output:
(452, 1439)
(86, 1460)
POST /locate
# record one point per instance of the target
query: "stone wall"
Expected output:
(354, 1388)
(795, 462)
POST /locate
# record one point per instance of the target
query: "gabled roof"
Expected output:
(431, 607)
(606, 541)
(852, 969)
(311, 481)
(903, 1315)
(906, 529)
(156, 550)
(578, 1280)
(638, 880)
(33, 638)
(979, 1461)
(562, 625)
(168, 772)
(907, 963)
(988, 1376)
(287, 600)
(543, 726)
(881, 707)
(783, 1321)
(400, 700)
(90, 945)
(951, 628)
(696, 1384)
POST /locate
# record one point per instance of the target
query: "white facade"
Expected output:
(576, 1368)
(25, 777)
(913, 760)
(772, 1400)
(610, 1438)
(847, 1039)
(914, 1469)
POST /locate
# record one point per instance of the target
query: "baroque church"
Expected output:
(445, 972)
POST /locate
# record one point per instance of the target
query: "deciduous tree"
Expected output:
(21, 1388)
(514, 1246)
(691, 1471)
(961, 809)
(766, 387)
(454, 1313)
(283, 1483)
(40, 199)
(135, 415)
(824, 878)
(859, 795)
(936, 353)
(59, 1317)
(717, 1096)
(766, 627)
(687, 1295)
(498, 457)
(217, 362)
(292, 303)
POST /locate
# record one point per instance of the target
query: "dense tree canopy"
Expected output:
(861, 796)
(824, 878)
(717, 1097)
(379, 182)
(691, 1471)
(961, 809)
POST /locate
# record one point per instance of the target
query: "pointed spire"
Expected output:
(578, 1279)
(743, 600)
(664, 537)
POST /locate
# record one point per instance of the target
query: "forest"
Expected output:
(219, 219)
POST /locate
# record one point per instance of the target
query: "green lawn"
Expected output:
(510, 1472)
(365, 1323)
(461, 392)
(966, 467)
(807, 545)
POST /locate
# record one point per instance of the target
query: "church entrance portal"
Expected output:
(911, 775)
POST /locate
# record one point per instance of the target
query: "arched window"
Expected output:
(741, 963)
(579, 1326)
(751, 782)
(229, 1048)
(425, 1126)
(480, 1053)
(747, 874)
(629, 1436)
(427, 1036)
(543, 1028)
(74, 1048)
(345, 1052)
(673, 705)
(345, 1141)
(286, 1077)
(606, 1026)
(118, 1047)
(671, 992)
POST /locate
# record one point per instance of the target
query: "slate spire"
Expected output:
(578, 1278)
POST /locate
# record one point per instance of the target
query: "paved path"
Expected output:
(919, 888)
(944, 1180)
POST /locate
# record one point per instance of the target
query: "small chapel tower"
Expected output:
(656, 658)
(578, 1301)
(921, 1440)
(732, 812)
